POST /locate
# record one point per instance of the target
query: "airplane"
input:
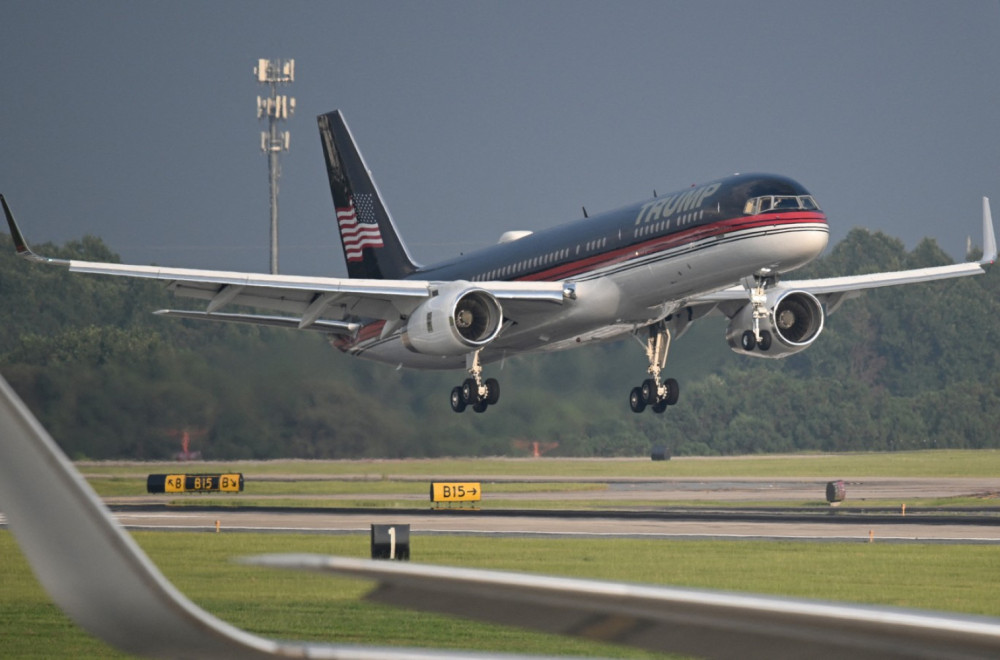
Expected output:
(649, 269)
(97, 574)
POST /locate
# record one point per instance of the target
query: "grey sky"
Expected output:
(135, 121)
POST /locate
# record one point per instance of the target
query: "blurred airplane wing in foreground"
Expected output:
(703, 623)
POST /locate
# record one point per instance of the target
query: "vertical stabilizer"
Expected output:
(372, 247)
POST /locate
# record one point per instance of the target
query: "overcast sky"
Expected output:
(136, 121)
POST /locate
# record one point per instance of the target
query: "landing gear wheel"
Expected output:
(660, 406)
(457, 400)
(470, 391)
(636, 401)
(748, 340)
(480, 406)
(492, 391)
(765, 340)
(673, 391)
(650, 391)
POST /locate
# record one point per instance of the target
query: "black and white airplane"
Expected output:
(649, 269)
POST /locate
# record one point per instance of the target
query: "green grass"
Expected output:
(937, 463)
(961, 578)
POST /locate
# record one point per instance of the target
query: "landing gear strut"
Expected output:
(474, 391)
(653, 392)
(758, 338)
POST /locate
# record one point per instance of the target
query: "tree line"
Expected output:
(902, 368)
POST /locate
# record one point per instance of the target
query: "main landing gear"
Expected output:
(474, 391)
(653, 392)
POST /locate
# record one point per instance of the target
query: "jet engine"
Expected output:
(458, 320)
(792, 321)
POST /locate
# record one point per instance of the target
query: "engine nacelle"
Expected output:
(794, 320)
(459, 319)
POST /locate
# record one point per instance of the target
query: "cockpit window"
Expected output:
(767, 203)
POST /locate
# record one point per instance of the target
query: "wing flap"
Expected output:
(342, 328)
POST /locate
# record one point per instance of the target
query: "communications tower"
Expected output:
(274, 108)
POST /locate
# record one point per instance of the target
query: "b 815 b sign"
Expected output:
(194, 483)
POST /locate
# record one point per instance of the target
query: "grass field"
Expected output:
(962, 578)
(943, 463)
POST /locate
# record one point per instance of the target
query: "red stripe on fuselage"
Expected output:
(674, 240)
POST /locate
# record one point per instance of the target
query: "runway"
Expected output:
(858, 528)
(618, 518)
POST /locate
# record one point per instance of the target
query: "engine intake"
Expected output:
(456, 321)
(794, 320)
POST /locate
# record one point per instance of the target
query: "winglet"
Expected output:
(21, 245)
(989, 238)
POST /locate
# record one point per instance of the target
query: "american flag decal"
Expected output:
(358, 227)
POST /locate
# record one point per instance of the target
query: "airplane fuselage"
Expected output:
(631, 266)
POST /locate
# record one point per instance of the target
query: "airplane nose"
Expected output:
(806, 242)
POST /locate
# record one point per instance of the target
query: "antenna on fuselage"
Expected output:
(585, 211)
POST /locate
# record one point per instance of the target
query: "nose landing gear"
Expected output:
(758, 338)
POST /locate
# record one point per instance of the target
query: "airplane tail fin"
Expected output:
(372, 247)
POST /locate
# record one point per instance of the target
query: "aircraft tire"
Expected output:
(492, 391)
(650, 391)
(660, 406)
(765, 340)
(480, 406)
(635, 400)
(748, 340)
(457, 400)
(673, 391)
(470, 391)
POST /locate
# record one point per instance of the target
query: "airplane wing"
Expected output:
(705, 623)
(99, 576)
(306, 300)
(834, 290)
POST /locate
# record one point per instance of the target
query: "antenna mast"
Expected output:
(274, 108)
